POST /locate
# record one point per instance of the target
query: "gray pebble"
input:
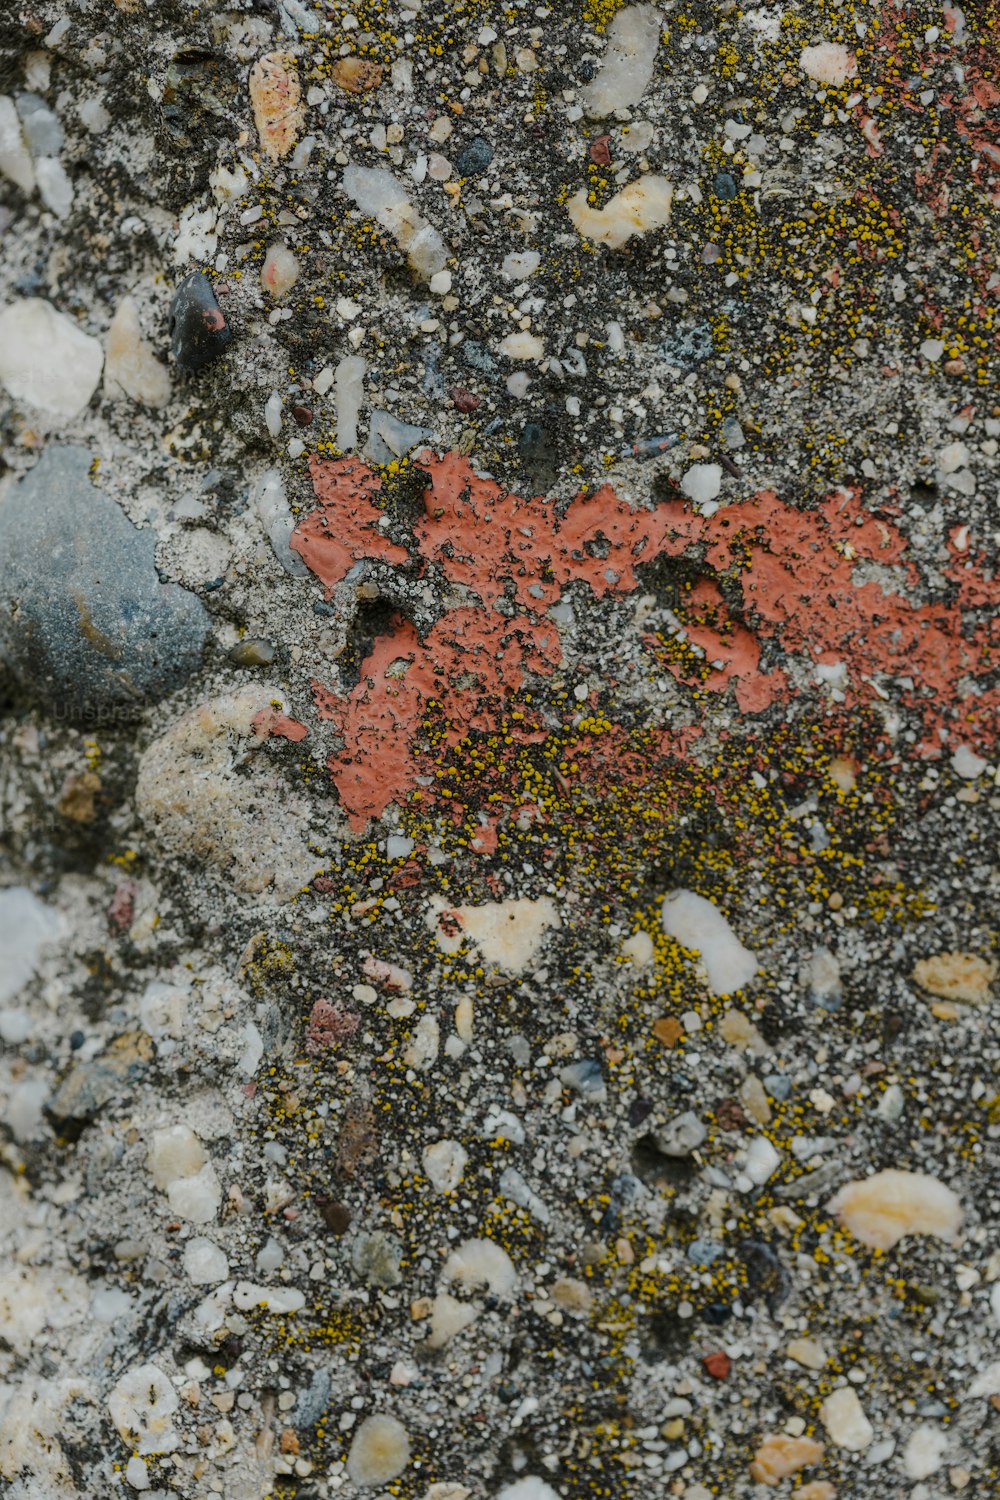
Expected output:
(85, 623)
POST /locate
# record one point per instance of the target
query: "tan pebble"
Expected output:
(956, 976)
(668, 1030)
(572, 1295)
(835, 901)
(817, 1489)
(755, 1099)
(625, 1253)
(778, 1456)
(943, 1011)
(881, 1209)
(959, 1478)
(276, 97)
(739, 1031)
(289, 1441)
(421, 1308)
(356, 74)
(844, 772)
(844, 1419)
(674, 1429)
(808, 1353)
(76, 798)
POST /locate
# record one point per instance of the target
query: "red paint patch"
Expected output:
(271, 721)
(796, 572)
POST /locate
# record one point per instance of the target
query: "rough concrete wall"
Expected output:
(498, 773)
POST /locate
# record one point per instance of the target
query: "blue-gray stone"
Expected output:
(85, 623)
(475, 158)
(312, 1401)
(702, 1252)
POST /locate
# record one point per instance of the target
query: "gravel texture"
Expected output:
(498, 750)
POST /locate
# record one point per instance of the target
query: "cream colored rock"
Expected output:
(817, 1489)
(141, 1406)
(45, 359)
(507, 933)
(481, 1263)
(572, 1295)
(829, 62)
(778, 1456)
(174, 1152)
(638, 949)
(206, 792)
(444, 1164)
(448, 1317)
(623, 77)
(844, 1419)
(881, 1209)
(698, 924)
(280, 270)
(379, 1452)
(130, 367)
(807, 1353)
(642, 206)
(956, 976)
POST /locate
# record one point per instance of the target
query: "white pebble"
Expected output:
(26, 926)
(697, 923)
(45, 359)
(136, 1473)
(269, 1257)
(924, 1451)
(196, 1198)
(522, 345)
(444, 1164)
(967, 764)
(520, 264)
(348, 395)
(271, 505)
(272, 414)
(633, 38)
(531, 1488)
(828, 63)
(204, 1262)
(702, 482)
(481, 1263)
(141, 1406)
(377, 193)
(174, 1152)
(15, 158)
(54, 186)
(380, 1451)
(763, 1160)
(276, 1299)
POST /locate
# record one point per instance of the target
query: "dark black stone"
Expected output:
(198, 329)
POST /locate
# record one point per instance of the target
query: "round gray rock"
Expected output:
(85, 623)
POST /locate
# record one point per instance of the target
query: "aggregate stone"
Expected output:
(85, 622)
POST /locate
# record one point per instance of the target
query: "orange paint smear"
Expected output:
(795, 571)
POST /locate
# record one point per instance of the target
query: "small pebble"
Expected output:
(379, 1452)
(199, 332)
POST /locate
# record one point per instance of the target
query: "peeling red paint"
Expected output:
(271, 721)
(796, 572)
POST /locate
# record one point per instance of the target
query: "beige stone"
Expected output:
(276, 98)
(881, 1209)
(778, 1456)
(808, 1353)
(956, 976)
(642, 206)
(380, 1451)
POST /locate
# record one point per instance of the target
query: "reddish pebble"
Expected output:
(324, 884)
(718, 1365)
(303, 415)
(600, 150)
(122, 907)
(462, 399)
